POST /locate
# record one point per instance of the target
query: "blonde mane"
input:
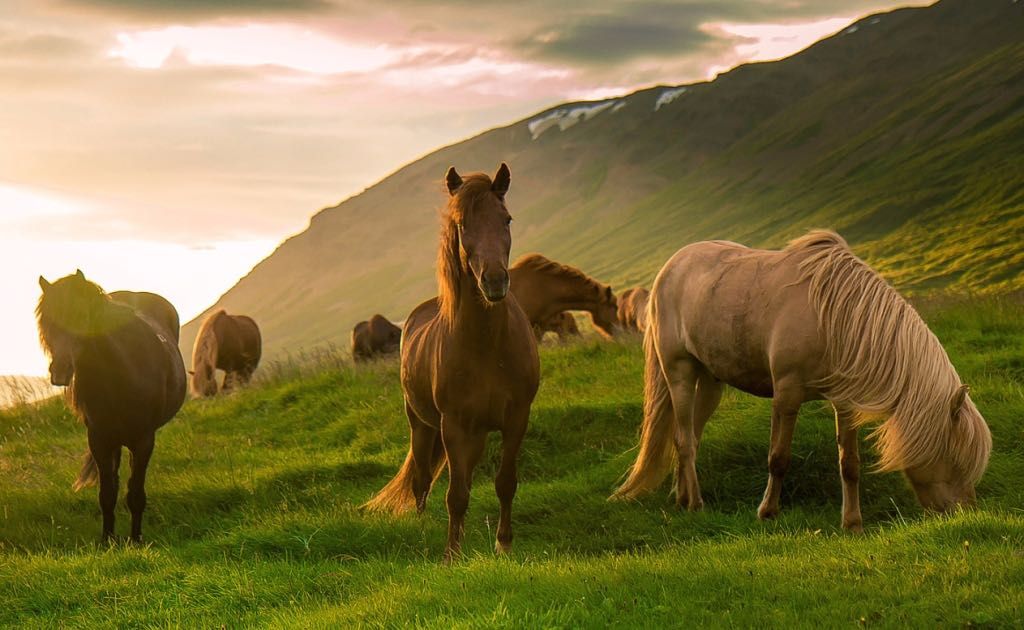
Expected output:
(204, 354)
(542, 264)
(883, 360)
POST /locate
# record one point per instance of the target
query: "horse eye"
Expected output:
(508, 221)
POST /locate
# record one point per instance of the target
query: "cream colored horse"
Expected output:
(810, 322)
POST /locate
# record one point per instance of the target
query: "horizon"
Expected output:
(202, 137)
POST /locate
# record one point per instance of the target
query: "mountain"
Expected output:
(904, 132)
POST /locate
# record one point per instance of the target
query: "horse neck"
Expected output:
(475, 319)
(573, 294)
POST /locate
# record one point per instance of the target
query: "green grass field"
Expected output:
(253, 516)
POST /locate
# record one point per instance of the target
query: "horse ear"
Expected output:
(78, 272)
(959, 398)
(44, 284)
(608, 295)
(502, 179)
(453, 180)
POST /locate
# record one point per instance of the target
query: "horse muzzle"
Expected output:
(494, 286)
(60, 377)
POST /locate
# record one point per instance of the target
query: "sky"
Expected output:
(169, 145)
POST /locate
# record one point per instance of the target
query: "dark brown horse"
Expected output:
(125, 379)
(469, 362)
(544, 288)
(633, 309)
(563, 325)
(376, 337)
(225, 342)
(153, 306)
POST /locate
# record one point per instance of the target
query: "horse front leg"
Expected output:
(785, 407)
(507, 480)
(107, 455)
(849, 469)
(464, 448)
(136, 499)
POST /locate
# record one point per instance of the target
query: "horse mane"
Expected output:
(543, 264)
(884, 360)
(450, 266)
(204, 353)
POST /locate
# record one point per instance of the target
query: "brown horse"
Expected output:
(373, 338)
(469, 362)
(810, 322)
(563, 325)
(125, 379)
(633, 309)
(544, 288)
(225, 342)
(151, 305)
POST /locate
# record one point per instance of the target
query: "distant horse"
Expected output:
(810, 322)
(544, 288)
(469, 362)
(225, 342)
(375, 337)
(125, 379)
(633, 309)
(562, 324)
(152, 305)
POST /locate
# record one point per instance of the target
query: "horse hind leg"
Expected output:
(136, 499)
(507, 480)
(464, 448)
(709, 395)
(427, 453)
(785, 407)
(682, 375)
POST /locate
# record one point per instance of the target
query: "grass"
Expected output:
(253, 517)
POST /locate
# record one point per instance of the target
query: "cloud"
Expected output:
(190, 10)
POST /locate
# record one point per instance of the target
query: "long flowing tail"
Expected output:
(397, 496)
(89, 473)
(657, 448)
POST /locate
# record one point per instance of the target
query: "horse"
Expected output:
(810, 322)
(153, 305)
(375, 337)
(562, 324)
(544, 288)
(469, 363)
(633, 309)
(225, 342)
(125, 379)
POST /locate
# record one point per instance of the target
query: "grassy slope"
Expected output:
(906, 135)
(253, 516)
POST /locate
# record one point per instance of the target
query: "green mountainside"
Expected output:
(904, 132)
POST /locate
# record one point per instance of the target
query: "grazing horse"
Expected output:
(633, 309)
(562, 324)
(469, 363)
(125, 379)
(810, 322)
(544, 288)
(375, 337)
(225, 342)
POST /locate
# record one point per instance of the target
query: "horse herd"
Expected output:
(809, 322)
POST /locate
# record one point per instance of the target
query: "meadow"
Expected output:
(253, 515)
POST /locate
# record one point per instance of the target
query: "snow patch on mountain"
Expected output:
(565, 117)
(667, 96)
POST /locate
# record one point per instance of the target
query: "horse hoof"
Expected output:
(766, 513)
(696, 506)
(854, 528)
(502, 549)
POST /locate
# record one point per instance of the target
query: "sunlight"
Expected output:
(251, 45)
(18, 203)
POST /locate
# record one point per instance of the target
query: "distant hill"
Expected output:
(905, 132)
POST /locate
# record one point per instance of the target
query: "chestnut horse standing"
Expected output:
(469, 363)
(225, 342)
(633, 309)
(544, 288)
(125, 378)
(375, 337)
(810, 322)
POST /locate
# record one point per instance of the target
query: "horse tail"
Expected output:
(656, 444)
(397, 496)
(89, 473)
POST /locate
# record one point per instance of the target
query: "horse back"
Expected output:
(156, 307)
(239, 344)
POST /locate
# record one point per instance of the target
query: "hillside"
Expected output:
(905, 132)
(252, 516)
